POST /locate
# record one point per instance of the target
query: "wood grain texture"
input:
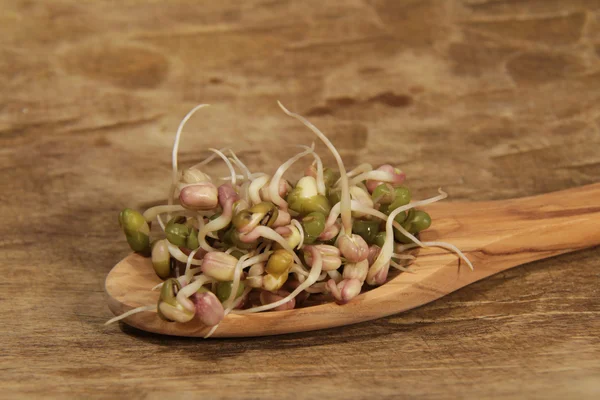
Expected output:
(489, 99)
(495, 235)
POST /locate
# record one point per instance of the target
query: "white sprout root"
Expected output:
(131, 312)
(274, 185)
(174, 175)
(385, 255)
(315, 271)
(228, 163)
(320, 177)
(240, 165)
(242, 246)
(345, 209)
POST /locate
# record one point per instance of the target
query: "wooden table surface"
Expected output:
(488, 99)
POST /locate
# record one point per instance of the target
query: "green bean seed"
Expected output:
(401, 238)
(366, 229)
(237, 254)
(415, 220)
(307, 205)
(267, 211)
(214, 216)
(136, 230)
(330, 176)
(161, 259)
(192, 242)
(139, 242)
(224, 235)
(241, 219)
(418, 222)
(401, 198)
(280, 262)
(169, 290)
(379, 239)
(131, 221)
(168, 308)
(387, 210)
(264, 213)
(234, 237)
(335, 196)
(203, 289)
(177, 232)
(230, 237)
(313, 225)
(383, 194)
(224, 290)
(168, 294)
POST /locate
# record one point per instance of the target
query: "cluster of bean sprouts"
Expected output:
(252, 242)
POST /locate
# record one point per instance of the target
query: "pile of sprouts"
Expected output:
(252, 242)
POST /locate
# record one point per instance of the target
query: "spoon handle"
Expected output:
(503, 234)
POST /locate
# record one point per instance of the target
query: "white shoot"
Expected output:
(244, 192)
(182, 279)
(180, 255)
(359, 170)
(359, 207)
(319, 287)
(237, 273)
(259, 258)
(315, 271)
(228, 310)
(320, 179)
(376, 175)
(160, 222)
(255, 186)
(209, 158)
(151, 213)
(270, 234)
(228, 178)
(178, 137)
(131, 312)
(401, 268)
(453, 248)
(201, 222)
(241, 165)
(345, 200)
(274, 185)
(298, 226)
(297, 269)
(216, 224)
(335, 275)
(228, 163)
(356, 206)
(231, 301)
(386, 252)
(186, 291)
(174, 175)
(188, 270)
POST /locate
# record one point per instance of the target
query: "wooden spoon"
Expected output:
(495, 236)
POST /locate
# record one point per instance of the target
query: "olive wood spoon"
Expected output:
(494, 235)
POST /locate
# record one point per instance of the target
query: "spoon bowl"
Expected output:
(494, 235)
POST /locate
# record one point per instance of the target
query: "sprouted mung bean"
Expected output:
(253, 242)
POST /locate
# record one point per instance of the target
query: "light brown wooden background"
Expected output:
(489, 99)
